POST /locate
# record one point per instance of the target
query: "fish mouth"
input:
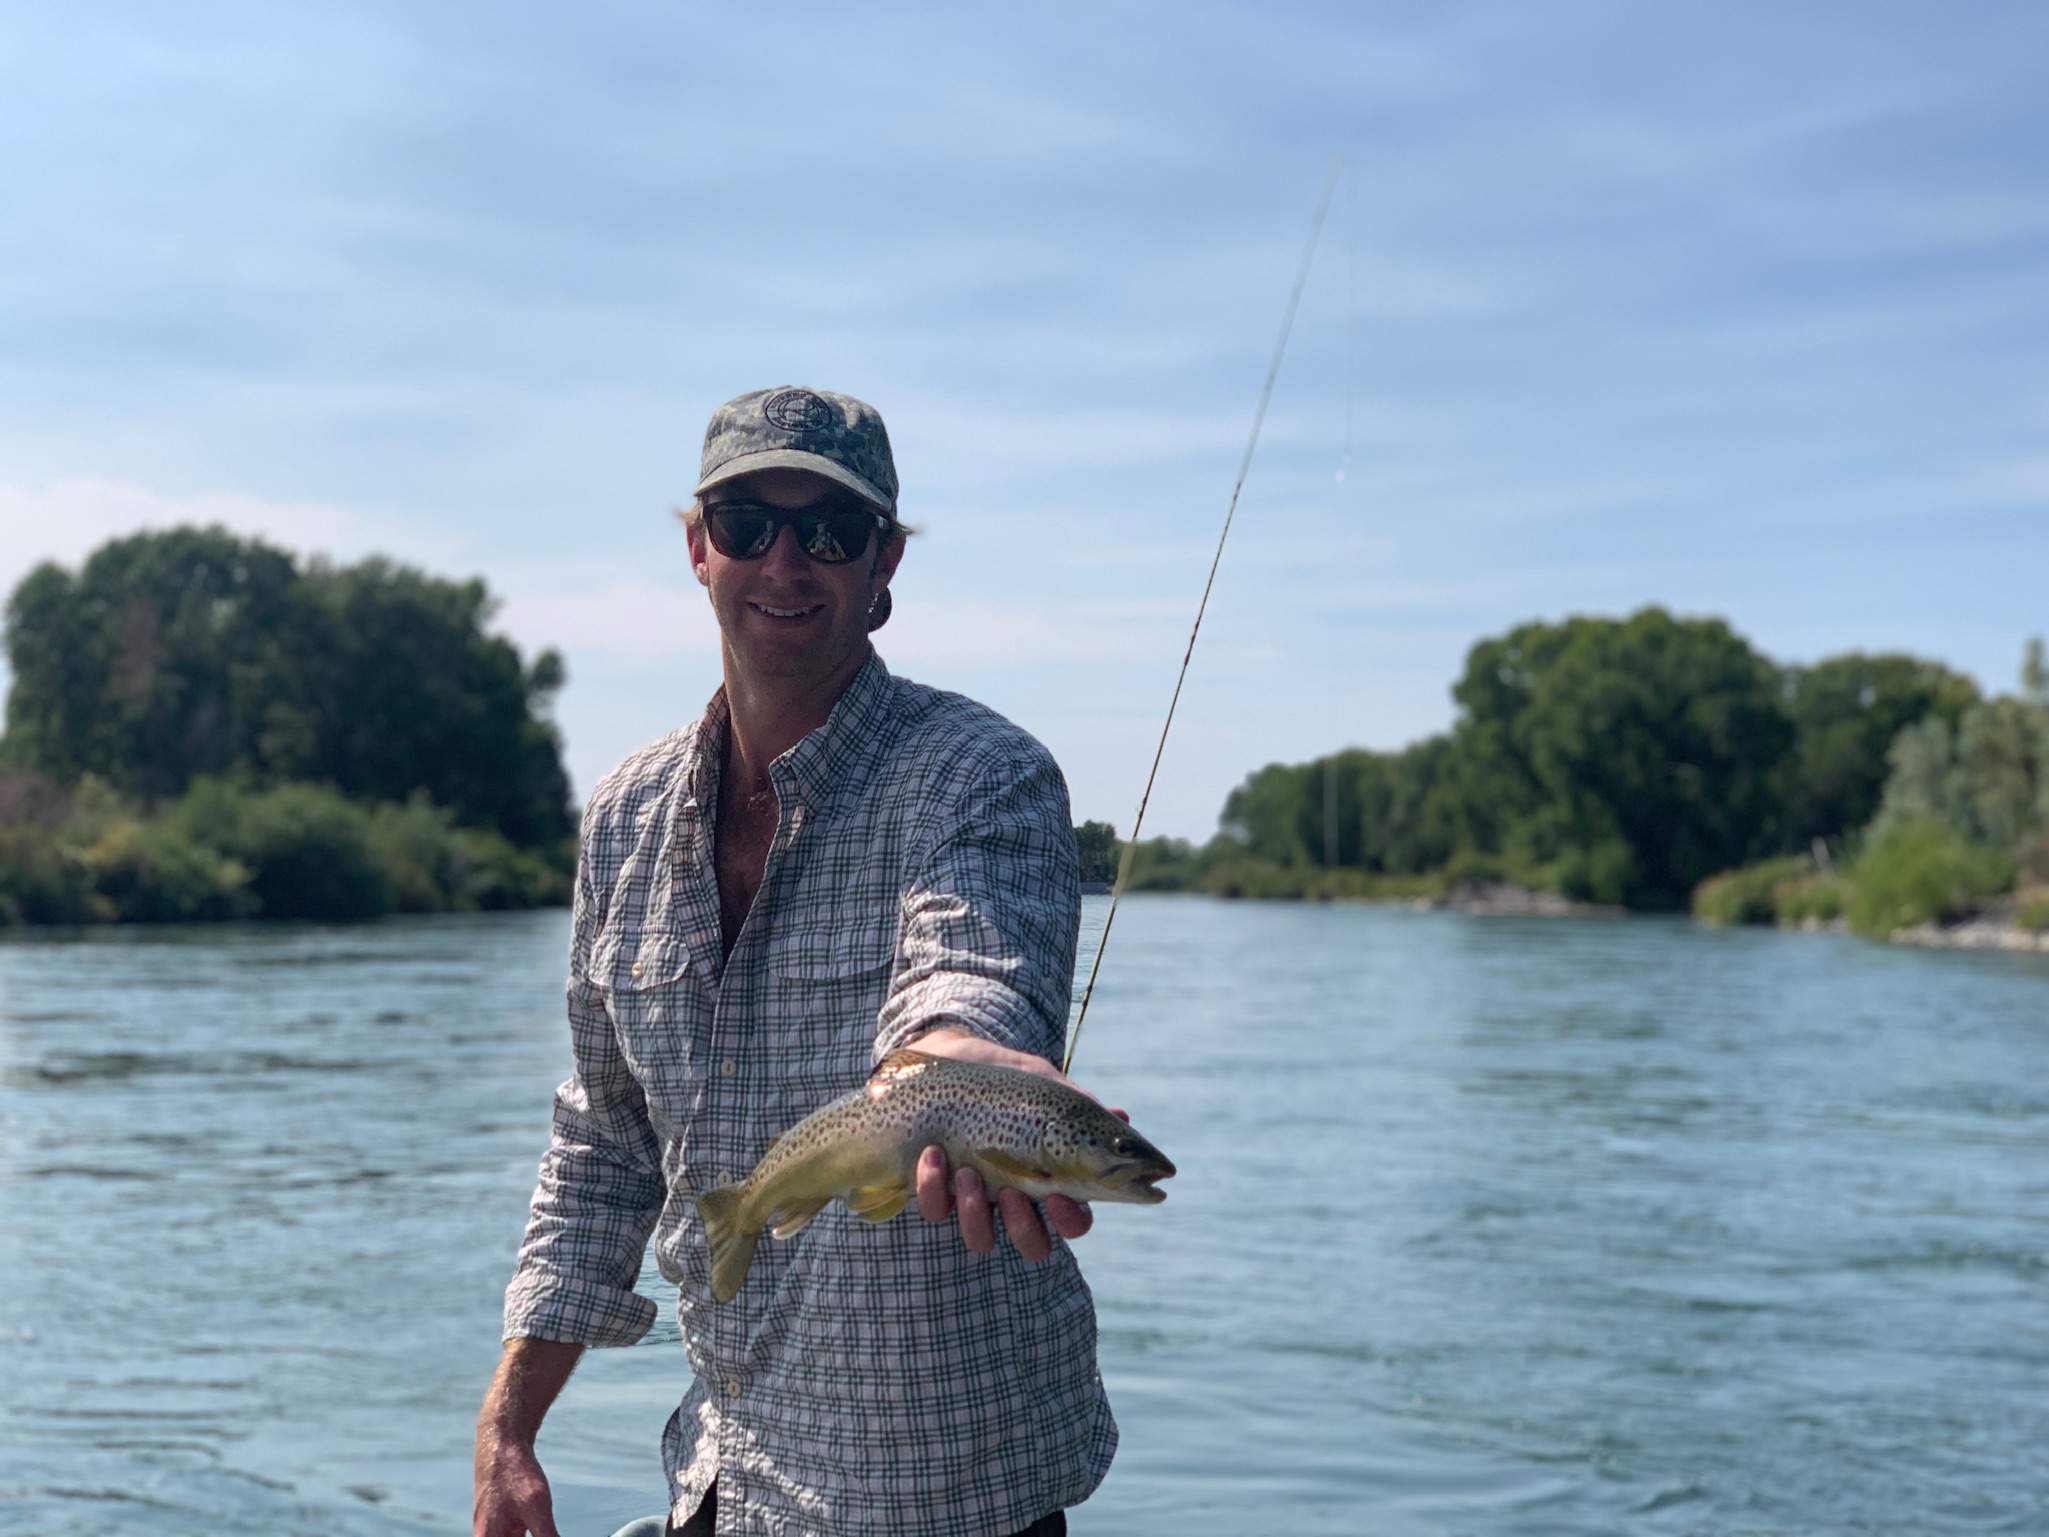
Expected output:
(1144, 1186)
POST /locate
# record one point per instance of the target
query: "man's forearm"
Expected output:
(530, 1376)
(512, 1491)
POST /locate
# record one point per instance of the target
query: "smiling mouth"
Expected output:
(786, 613)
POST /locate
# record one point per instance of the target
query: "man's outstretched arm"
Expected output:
(512, 1491)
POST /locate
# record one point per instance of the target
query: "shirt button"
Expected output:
(733, 1387)
(636, 968)
(727, 1068)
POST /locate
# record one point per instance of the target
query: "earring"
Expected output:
(879, 608)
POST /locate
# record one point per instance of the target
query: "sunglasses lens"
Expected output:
(742, 532)
(835, 537)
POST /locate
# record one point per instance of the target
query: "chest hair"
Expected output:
(746, 828)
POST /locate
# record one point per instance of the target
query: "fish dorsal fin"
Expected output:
(900, 1066)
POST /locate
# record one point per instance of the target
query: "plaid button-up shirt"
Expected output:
(868, 1377)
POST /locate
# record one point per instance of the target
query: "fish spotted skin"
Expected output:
(1018, 1130)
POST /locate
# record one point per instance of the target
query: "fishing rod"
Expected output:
(1266, 391)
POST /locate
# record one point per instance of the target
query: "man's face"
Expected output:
(783, 614)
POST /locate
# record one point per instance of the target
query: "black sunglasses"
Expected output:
(831, 533)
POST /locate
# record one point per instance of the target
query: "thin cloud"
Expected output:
(66, 520)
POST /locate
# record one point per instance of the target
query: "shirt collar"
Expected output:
(821, 761)
(707, 752)
(828, 758)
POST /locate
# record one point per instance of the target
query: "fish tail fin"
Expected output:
(724, 1213)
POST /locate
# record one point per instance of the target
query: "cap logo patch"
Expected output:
(796, 411)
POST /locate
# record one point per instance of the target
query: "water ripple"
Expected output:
(1482, 1227)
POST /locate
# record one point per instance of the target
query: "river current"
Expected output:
(1483, 1226)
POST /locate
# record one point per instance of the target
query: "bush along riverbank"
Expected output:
(1658, 763)
(204, 727)
(87, 854)
(1958, 854)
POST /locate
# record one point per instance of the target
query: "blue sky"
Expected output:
(1740, 309)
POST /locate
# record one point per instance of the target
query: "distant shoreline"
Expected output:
(1993, 928)
(1506, 899)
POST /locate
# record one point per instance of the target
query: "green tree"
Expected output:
(165, 657)
(1270, 811)
(190, 653)
(1096, 847)
(1629, 759)
(1625, 761)
(1387, 813)
(413, 695)
(1985, 778)
(1846, 712)
(1615, 760)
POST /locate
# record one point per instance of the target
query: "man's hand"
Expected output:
(512, 1491)
(942, 1190)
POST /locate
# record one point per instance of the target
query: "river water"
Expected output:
(1482, 1226)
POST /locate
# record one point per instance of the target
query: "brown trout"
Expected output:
(1019, 1130)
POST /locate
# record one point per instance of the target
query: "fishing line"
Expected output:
(1351, 315)
(1266, 391)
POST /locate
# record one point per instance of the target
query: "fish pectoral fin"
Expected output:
(790, 1219)
(878, 1203)
(1012, 1167)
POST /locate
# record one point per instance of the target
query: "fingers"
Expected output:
(1122, 1115)
(935, 1192)
(1021, 1222)
(943, 1192)
(971, 1198)
(1070, 1218)
(514, 1508)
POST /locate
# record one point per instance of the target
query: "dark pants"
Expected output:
(705, 1522)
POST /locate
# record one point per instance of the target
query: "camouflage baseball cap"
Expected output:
(789, 428)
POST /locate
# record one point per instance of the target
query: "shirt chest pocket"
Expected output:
(827, 981)
(648, 990)
(833, 952)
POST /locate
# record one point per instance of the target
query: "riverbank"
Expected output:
(1997, 927)
(1505, 899)
(2007, 924)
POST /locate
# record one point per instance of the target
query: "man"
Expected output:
(832, 863)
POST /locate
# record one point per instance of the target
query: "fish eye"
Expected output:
(1124, 1147)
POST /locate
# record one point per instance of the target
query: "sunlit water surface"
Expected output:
(1483, 1226)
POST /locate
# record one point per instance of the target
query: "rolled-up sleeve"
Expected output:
(989, 917)
(601, 1187)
